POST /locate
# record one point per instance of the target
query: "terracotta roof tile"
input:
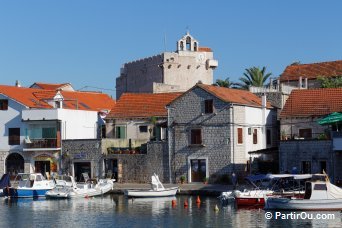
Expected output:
(312, 102)
(238, 96)
(50, 86)
(205, 49)
(37, 98)
(142, 105)
(312, 71)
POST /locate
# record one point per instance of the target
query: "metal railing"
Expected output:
(41, 143)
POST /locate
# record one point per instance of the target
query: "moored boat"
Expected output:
(157, 190)
(29, 185)
(66, 187)
(319, 195)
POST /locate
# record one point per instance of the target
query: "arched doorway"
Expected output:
(14, 164)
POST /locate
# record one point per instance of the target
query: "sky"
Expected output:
(86, 42)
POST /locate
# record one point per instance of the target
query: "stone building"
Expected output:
(306, 146)
(170, 71)
(136, 136)
(212, 129)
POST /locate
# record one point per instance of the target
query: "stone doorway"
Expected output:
(14, 164)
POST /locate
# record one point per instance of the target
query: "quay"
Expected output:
(185, 189)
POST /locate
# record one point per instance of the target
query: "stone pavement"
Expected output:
(185, 189)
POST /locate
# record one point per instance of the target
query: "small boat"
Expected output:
(29, 185)
(157, 190)
(263, 186)
(66, 188)
(319, 195)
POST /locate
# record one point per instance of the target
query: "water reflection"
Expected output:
(119, 211)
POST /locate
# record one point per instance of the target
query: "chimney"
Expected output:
(17, 83)
(263, 101)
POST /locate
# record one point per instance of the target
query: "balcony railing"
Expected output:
(41, 143)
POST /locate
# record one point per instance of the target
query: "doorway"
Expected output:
(112, 169)
(14, 164)
(82, 167)
(198, 170)
(42, 167)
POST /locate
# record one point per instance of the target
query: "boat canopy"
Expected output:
(260, 177)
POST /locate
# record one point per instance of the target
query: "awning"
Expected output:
(334, 117)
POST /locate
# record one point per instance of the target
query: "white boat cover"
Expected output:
(333, 191)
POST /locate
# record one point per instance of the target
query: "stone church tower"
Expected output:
(169, 71)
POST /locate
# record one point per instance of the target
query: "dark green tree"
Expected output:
(225, 83)
(333, 82)
(254, 76)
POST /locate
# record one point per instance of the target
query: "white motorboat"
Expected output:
(157, 190)
(266, 185)
(29, 185)
(319, 195)
(66, 187)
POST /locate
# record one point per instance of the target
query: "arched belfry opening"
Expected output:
(187, 43)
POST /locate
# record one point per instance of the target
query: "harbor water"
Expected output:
(118, 211)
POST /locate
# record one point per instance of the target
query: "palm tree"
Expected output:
(224, 83)
(254, 76)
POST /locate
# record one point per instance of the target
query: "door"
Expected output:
(42, 167)
(112, 169)
(198, 170)
(82, 167)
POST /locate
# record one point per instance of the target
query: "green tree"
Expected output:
(225, 83)
(335, 82)
(254, 76)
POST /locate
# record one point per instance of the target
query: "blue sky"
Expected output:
(86, 42)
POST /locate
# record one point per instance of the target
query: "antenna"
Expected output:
(187, 30)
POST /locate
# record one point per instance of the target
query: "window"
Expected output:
(143, 129)
(196, 136)
(120, 132)
(181, 46)
(268, 137)
(195, 46)
(306, 167)
(208, 106)
(3, 104)
(305, 133)
(13, 136)
(240, 137)
(255, 136)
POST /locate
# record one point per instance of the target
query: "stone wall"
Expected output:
(293, 153)
(83, 150)
(138, 168)
(187, 113)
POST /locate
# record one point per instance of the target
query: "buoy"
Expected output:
(198, 200)
(216, 208)
(174, 203)
(186, 203)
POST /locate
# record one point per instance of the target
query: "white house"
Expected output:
(34, 122)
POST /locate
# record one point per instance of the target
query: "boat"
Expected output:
(29, 185)
(319, 195)
(4, 183)
(157, 190)
(67, 188)
(285, 185)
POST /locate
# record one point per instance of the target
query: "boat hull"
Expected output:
(249, 201)
(25, 193)
(141, 193)
(303, 204)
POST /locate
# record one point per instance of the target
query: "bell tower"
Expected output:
(187, 43)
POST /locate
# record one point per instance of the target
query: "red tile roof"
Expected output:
(37, 98)
(205, 49)
(237, 96)
(312, 102)
(142, 105)
(50, 86)
(312, 71)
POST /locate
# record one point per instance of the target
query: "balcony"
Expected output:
(41, 144)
